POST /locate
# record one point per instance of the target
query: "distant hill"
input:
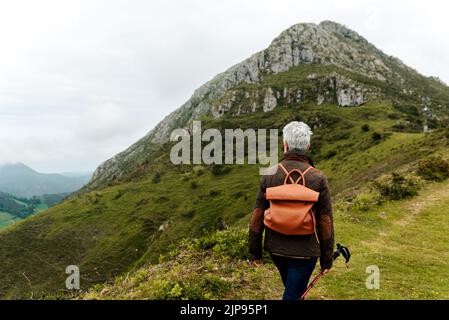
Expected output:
(22, 181)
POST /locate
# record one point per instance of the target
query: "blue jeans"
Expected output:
(295, 274)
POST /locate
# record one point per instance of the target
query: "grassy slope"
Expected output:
(110, 231)
(114, 230)
(406, 239)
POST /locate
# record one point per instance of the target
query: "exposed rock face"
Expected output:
(350, 97)
(348, 93)
(270, 102)
(331, 88)
(326, 43)
(320, 100)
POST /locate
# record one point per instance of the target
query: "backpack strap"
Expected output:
(304, 174)
(289, 173)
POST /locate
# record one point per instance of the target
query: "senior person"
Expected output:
(295, 256)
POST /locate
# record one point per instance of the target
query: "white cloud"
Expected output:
(82, 80)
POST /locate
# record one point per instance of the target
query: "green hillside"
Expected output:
(406, 239)
(127, 229)
(113, 230)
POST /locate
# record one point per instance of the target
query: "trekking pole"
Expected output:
(344, 251)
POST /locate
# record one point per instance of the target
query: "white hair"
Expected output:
(297, 135)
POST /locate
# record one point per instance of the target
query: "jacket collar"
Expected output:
(297, 155)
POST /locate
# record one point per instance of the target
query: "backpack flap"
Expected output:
(295, 192)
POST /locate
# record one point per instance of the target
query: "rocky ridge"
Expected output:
(327, 43)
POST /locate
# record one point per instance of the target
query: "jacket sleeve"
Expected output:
(325, 225)
(256, 226)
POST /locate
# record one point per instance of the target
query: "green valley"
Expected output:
(14, 209)
(7, 219)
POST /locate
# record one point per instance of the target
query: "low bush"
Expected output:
(397, 187)
(118, 195)
(367, 200)
(433, 169)
(376, 136)
(365, 127)
(220, 169)
(232, 243)
(214, 193)
(193, 288)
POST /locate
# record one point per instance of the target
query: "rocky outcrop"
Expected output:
(326, 43)
(350, 97)
(349, 93)
(332, 88)
(269, 102)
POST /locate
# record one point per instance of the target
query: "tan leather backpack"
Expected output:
(290, 210)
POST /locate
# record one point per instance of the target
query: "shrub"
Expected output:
(232, 243)
(397, 187)
(365, 201)
(365, 128)
(194, 288)
(214, 193)
(433, 169)
(393, 116)
(118, 195)
(193, 185)
(376, 136)
(188, 214)
(220, 169)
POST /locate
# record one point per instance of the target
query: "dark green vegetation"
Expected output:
(21, 181)
(433, 169)
(19, 207)
(397, 187)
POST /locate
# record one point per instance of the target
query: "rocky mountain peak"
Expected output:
(327, 43)
(342, 30)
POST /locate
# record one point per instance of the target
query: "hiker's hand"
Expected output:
(256, 263)
(325, 271)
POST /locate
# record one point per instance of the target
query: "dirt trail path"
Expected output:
(413, 207)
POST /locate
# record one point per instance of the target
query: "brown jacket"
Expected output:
(295, 246)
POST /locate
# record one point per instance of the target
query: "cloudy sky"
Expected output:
(82, 80)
